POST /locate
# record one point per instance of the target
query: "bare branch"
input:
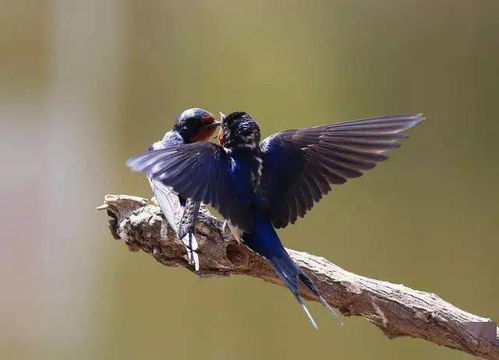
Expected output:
(396, 309)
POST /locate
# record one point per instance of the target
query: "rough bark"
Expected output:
(395, 309)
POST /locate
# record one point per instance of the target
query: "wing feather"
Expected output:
(322, 156)
(200, 171)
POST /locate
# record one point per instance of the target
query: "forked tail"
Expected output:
(265, 242)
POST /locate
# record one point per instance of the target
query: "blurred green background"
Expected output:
(86, 84)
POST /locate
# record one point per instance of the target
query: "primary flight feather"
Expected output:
(258, 187)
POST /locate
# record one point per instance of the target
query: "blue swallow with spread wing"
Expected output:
(192, 125)
(258, 187)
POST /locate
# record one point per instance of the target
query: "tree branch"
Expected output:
(396, 309)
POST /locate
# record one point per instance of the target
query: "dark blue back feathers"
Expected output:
(297, 168)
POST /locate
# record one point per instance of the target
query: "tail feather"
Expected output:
(188, 219)
(266, 243)
(191, 245)
(288, 272)
(186, 231)
(314, 324)
(181, 221)
(308, 283)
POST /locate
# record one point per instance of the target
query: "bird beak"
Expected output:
(214, 124)
(222, 116)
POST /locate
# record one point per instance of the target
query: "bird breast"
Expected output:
(256, 173)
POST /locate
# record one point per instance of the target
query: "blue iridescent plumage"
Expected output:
(257, 187)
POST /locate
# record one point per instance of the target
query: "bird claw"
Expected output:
(228, 229)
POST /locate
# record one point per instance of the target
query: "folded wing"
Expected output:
(300, 165)
(172, 209)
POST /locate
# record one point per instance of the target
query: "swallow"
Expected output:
(259, 187)
(181, 212)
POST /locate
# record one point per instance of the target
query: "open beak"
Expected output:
(222, 116)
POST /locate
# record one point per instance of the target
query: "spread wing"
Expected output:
(300, 165)
(200, 171)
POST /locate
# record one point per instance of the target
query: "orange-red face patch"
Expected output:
(205, 134)
(221, 137)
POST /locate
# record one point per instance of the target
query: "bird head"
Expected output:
(239, 129)
(196, 125)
